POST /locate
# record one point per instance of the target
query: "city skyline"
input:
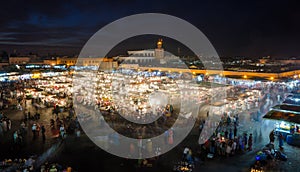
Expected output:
(252, 29)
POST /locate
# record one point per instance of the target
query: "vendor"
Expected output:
(292, 129)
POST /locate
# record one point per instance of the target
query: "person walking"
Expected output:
(237, 119)
(43, 132)
(272, 136)
(250, 140)
(38, 129)
(230, 134)
(62, 131)
(15, 136)
(280, 139)
(8, 124)
(33, 129)
(226, 134)
(23, 127)
(234, 146)
(189, 157)
(185, 153)
(235, 131)
(245, 140)
(228, 149)
(4, 123)
(228, 120)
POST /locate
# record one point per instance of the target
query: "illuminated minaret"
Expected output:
(159, 51)
(159, 43)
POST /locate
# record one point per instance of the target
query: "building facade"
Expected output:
(144, 56)
(102, 63)
(18, 60)
(50, 62)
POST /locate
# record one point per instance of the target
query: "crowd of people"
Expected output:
(18, 164)
(29, 165)
(227, 140)
(31, 127)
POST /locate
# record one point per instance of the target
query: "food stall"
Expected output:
(50, 92)
(288, 122)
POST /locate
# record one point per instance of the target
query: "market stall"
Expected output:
(288, 122)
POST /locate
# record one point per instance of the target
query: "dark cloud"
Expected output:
(247, 28)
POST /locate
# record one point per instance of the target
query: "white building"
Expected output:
(140, 56)
(144, 56)
(148, 56)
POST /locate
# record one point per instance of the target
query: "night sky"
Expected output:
(235, 28)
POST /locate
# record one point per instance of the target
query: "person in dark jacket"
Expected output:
(272, 136)
(250, 142)
(43, 133)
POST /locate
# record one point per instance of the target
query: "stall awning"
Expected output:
(218, 104)
(292, 101)
(291, 108)
(232, 98)
(283, 116)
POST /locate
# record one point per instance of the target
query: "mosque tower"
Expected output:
(159, 51)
